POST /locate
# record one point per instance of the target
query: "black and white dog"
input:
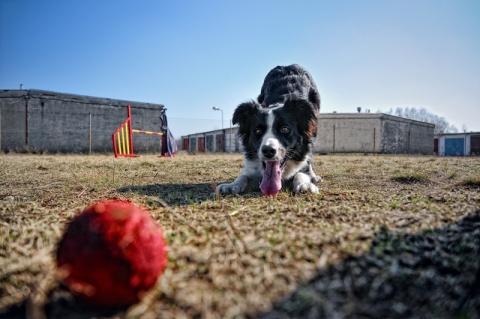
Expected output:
(277, 133)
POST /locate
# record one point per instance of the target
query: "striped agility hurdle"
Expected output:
(123, 137)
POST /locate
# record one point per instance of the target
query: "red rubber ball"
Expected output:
(111, 254)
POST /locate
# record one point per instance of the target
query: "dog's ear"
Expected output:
(261, 97)
(305, 115)
(314, 98)
(244, 115)
(244, 112)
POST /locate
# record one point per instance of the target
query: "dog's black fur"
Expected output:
(284, 82)
(281, 126)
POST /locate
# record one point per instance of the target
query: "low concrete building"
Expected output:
(458, 144)
(373, 133)
(38, 121)
(225, 140)
(340, 133)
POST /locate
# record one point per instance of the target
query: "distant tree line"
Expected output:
(441, 125)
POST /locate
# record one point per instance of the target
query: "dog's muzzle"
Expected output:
(272, 175)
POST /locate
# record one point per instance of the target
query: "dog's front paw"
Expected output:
(236, 187)
(306, 188)
(317, 179)
(232, 188)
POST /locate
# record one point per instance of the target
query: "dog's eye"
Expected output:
(258, 131)
(285, 129)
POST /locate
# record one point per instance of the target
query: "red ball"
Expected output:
(111, 254)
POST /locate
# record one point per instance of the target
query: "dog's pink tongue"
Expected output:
(272, 179)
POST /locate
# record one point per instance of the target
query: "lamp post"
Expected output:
(218, 109)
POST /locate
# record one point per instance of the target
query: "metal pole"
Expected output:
(374, 133)
(333, 138)
(89, 133)
(408, 141)
(0, 130)
(26, 119)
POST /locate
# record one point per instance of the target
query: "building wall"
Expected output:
(57, 122)
(405, 136)
(12, 122)
(348, 133)
(373, 133)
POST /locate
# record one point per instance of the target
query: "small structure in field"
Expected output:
(44, 121)
(373, 133)
(216, 141)
(339, 133)
(458, 144)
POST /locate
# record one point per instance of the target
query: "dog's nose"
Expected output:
(268, 151)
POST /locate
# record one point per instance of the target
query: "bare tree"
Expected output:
(441, 125)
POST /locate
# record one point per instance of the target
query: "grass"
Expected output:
(229, 256)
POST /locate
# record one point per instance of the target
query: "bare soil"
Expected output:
(388, 236)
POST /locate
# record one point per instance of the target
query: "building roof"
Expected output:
(75, 98)
(380, 116)
(218, 131)
(458, 134)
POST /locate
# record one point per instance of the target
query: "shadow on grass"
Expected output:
(430, 274)
(174, 194)
(61, 305)
(182, 194)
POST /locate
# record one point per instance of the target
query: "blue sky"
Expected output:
(193, 55)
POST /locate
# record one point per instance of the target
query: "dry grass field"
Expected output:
(387, 237)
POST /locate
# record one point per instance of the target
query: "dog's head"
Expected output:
(285, 128)
(278, 133)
